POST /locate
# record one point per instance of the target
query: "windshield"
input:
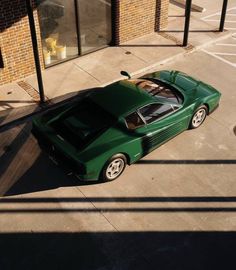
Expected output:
(82, 123)
(159, 89)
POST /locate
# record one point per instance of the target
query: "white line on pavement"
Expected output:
(225, 44)
(209, 16)
(217, 13)
(222, 53)
(220, 58)
(210, 20)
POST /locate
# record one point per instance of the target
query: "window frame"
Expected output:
(143, 119)
(158, 119)
(136, 111)
(171, 87)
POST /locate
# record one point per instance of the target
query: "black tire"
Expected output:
(113, 168)
(198, 117)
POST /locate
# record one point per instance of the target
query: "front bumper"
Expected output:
(216, 107)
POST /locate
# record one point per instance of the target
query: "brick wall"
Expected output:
(15, 41)
(140, 17)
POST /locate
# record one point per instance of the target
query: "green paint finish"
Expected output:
(120, 98)
(88, 132)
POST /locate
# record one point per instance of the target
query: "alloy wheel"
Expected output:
(198, 117)
(115, 168)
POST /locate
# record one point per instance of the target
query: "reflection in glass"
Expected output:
(60, 25)
(95, 24)
(58, 30)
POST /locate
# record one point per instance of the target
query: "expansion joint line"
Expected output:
(79, 67)
(101, 212)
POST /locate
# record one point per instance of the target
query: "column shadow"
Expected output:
(183, 250)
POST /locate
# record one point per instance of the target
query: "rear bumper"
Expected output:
(57, 155)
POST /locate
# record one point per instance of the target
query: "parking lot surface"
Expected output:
(174, 209)
(230, 22)
(225, 50)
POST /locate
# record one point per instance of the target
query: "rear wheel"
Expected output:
(114, 167)
(199, 117)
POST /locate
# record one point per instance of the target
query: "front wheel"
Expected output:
(198, 117)
(114, 167)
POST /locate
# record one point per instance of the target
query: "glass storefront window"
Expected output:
(58, 30)
(73, 27)
(95, 24)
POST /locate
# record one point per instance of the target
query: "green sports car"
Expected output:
(98, 135)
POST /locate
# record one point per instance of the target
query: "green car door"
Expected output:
(163, 121)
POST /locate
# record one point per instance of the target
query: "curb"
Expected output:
(172, 58)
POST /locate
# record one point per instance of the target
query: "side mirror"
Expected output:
(125, 73)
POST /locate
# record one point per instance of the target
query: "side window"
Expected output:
(155, 111)
(134, 121)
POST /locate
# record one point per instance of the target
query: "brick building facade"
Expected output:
(17, 59)
(141, 17)
(115, 21)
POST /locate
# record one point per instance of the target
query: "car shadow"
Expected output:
(12, 116)
(44, 175)
(41, 174)
(187, 161)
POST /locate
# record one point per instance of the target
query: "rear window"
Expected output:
(159, 89)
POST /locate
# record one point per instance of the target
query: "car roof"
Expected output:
(121, 97)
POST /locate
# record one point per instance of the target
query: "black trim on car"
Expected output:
(56, 154)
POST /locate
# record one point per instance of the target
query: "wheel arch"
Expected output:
(208, 107)
(128, 159)
(127, 156)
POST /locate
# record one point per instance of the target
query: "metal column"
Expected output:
(35, 49)
(223, 15)
(187, 21)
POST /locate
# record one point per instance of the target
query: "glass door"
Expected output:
(94, 23)
(58, 27)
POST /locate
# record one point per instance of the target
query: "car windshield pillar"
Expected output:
(134, 120)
